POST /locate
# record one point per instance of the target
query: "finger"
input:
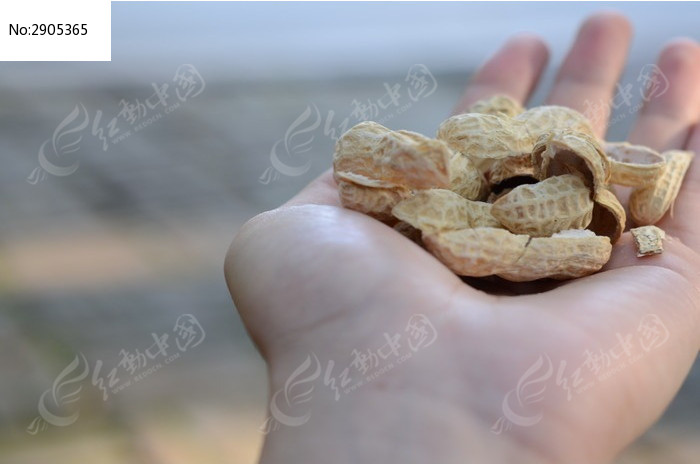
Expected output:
(666, 118)
(321, 191)
(682, 220)
(586, 80)
(514, 71)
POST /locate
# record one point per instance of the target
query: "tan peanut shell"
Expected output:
(649, 240)
(553, 118)
(355, 151)
(565, 255)
(359, 179)
(542, 209)
(371, 155)
(549, 212)
(633, 165)
(413, 160)
(478, 252)
(649, 204)
(436, 210)
(608, 216)
(566, 152)
(493, 196)
(503, 169)
(500, 105)
(487, 251)
(465, 179)
(376, 202)
(483, 137)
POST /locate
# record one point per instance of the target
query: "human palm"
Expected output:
(313, 277)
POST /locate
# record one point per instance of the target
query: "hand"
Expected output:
(312, 277)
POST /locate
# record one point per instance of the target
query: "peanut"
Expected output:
(649, 204)
(436, 210)
(376, 168)
(564, 255)
(549, 212)
(566, 152)
(375, 202)
(552, 118)
(478, 252)
(633, 165)
(542, 209)
(466, 179)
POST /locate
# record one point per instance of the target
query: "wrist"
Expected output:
(313, 418)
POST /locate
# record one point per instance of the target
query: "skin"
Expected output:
(312, 277)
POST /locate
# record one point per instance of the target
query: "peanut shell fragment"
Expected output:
(553, 118)
(540, 210)
(465, 179)
(376, 168)
(550, 211)
(567, 152)
(634, 165)
(355, 151)
(608, 215)
(483, 137)
(437, 210)
(648, 240)
(477, 252)
(375, 202)
(565, 255)
(649, 204)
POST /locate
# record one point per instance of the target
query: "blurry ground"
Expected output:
(97, 261)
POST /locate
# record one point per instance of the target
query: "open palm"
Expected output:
(312, 276)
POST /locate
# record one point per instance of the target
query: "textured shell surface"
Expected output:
(413, 160)
(355, 151)
(437, 209)
(506, 168)
(542, 209)
(376, 202)
(649, 240)
(477, 252)
(548, 118)
(648, 205)
(560, 257)
(550, 210)
(483, 137)
(633, 165)
(465, 178)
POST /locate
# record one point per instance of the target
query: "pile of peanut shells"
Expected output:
(502, 191)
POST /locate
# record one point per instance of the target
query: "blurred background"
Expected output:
(122, 184)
